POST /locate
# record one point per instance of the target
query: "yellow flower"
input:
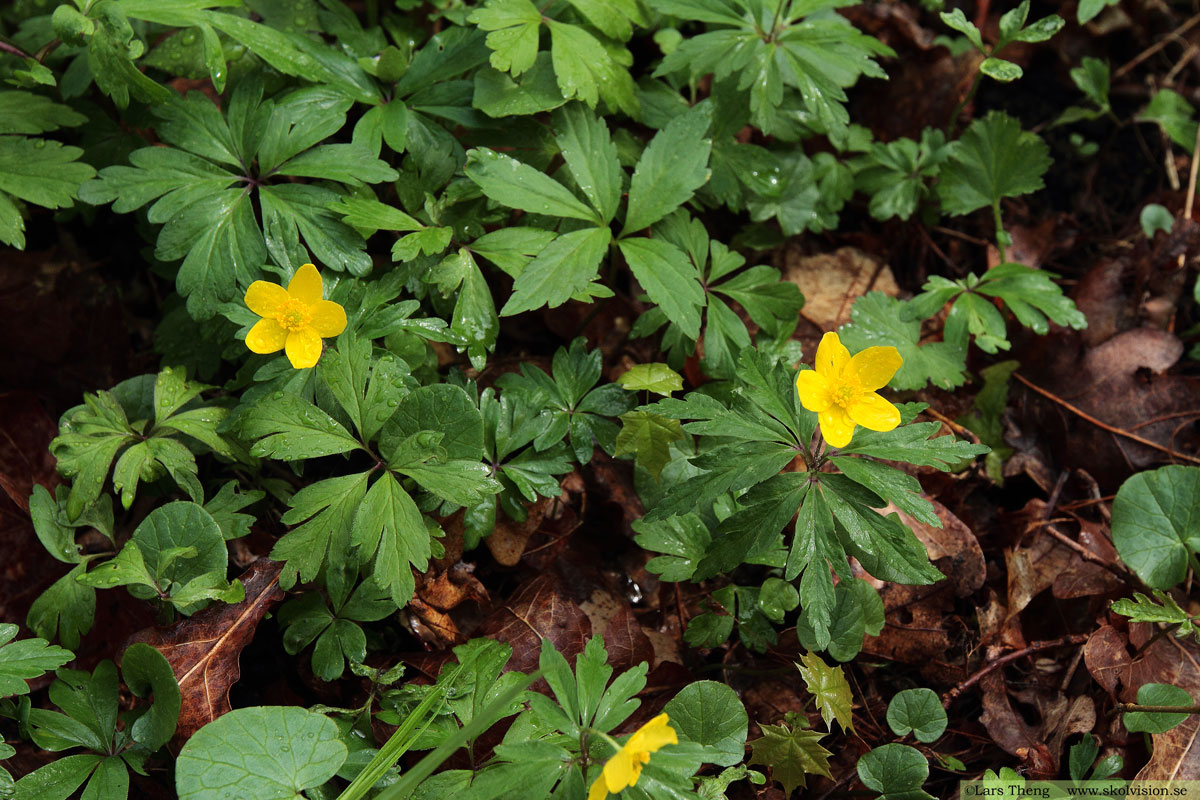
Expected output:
(841, 390)
(625, 767)
(293, 319)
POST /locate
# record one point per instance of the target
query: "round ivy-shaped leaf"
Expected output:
(168, 529)
(146, 671)
(919, 711)
(1155, 521)
(893, 769)
(261, 753)
(776, 598)
(443, 408)
(710, 713)
(1157, 694)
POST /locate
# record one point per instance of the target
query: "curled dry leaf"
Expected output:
(450, 587)
(952, 548)
(204, 650)
(1106, 658)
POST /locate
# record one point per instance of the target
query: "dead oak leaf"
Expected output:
(204, 650)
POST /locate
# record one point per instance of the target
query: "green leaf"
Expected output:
(26, 659)
(895, 771)
(441, 408)
(57, 780)
(1032, 296)
(390, 531)
(65, 611)
(683, 539)
(912, 443)
(268, 753)
(1176, 116)
(791, 754)
(875, 320)
(1088, 9)
(518, 185)
(514, 26)
(829, 687)
(711, 714)
(291, 210)
(959, 22)
(1000, 70)
(329, 507)
(498, 95)
(40, 171)
(565, 268)
(290, 428)
(898, 488)
(26, 112)
(657, 378)
(586, 70)
(147, 672)
(895, 174)
(648, 438)
(1155, 218)
(919, 711)
(672, 167)
(1143, 609)
(993, 159)
(1157, 694)
(1155, 519)
(668, 277)
(591, 156)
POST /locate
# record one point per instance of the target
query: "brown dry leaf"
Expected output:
(538, 610)
(507, 542)
(952, 548)
(1176, 753)
(1106, 658)
(1067, 719)
(25, 433)
(205, 649)
(626, 641)
(451, 587)
(831, 282)
(443, 628)
(1033, 568)
(1010, 730)
(914, 631)
(1086, 578)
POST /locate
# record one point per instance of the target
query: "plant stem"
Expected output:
(1127, 707)
(999, 229)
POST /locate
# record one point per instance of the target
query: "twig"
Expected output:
(1154, 48)
(5, 47)
(952, 425)
(1126, 707)
(950, 696)
(1191, 192)
(1104, 425)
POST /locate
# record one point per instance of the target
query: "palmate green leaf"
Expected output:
(914, 445)
(657, 378)
(895, 174)
(292, 210)
(791, 754)
(1156, 523)
(329, 506)
(443, 409)
(672, 167)
(39, 171)
(727, 469)
(26, 659)
(589, 71)
(513, 27)
(29, 113)
(993, 159)
(893, 485)
(563, 269)
(664, 271)
(1142, 609)
(683, 540)
(290, 428)
(498, 95)
(390, 532)
(648, 438)
(1176, 116)
(65, 611)
(875, 320)
(591, 156)
(1031, 295)
(268, 753)
(829, 688)
(59, 779)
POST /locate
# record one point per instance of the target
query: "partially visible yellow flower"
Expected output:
(841, 390)
(294, 319)
(625, 767)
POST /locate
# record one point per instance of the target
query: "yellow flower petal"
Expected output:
(836, 426)
(303, 348)
(872, 411)
(621, 770)
(652, 736)
(832, 355)
(265, 298)
(875, 366)
(306, 285)
(267, 335)
(814, 390)
(328, 318)
(597, 792)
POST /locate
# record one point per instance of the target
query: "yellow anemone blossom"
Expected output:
(294, 319)
(625, 767)
(841, 390)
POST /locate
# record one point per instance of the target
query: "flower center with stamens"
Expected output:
(293, 315)
(842, 394)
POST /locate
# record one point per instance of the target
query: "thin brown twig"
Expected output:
(1195, 166)
(1190, 23)
(952, 425)
(1104, 425)
(950, 696)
